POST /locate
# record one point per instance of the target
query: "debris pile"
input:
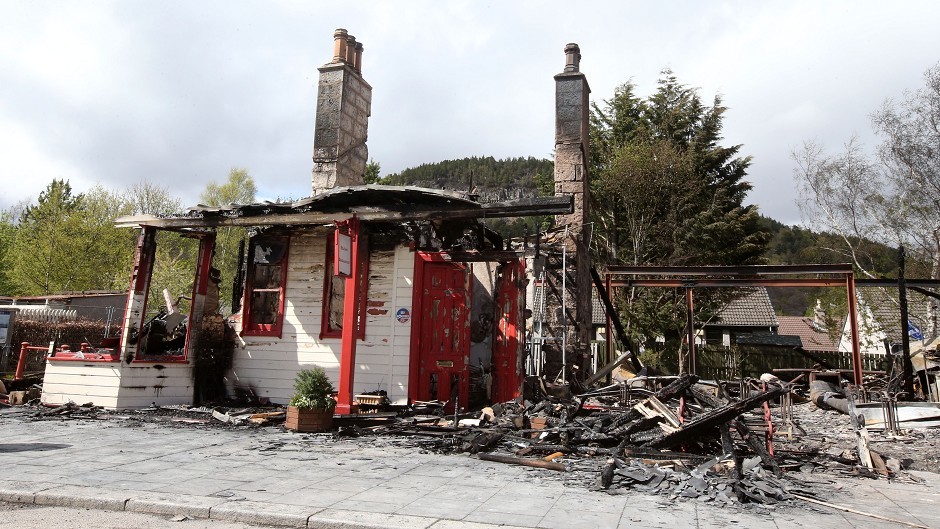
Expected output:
(664, 435)
(742, 442)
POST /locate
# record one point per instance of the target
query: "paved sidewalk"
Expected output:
(271, 477)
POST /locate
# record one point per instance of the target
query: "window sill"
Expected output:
(263, 334)
(84, 357)
(160, 360)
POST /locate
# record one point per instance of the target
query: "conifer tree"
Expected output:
(666, 192)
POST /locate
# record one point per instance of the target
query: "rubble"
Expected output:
(675, 437)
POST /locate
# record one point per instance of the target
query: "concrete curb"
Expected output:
(159, 503)
(341, 519)
(84, 497)
(259, 513)
(455, 524)
(22, 491)
(206, 507)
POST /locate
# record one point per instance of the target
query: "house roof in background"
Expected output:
(886, 309)
(751, 309)
(812, 336)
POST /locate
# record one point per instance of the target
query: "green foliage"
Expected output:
(665, 192)
(313, 390)
(798, 245)
(174, 268)
(372, 174)
(64, 242)
(240, 188)
(492, 179)
(7, 233)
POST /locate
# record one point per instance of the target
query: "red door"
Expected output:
(442, 350)
(507, 358)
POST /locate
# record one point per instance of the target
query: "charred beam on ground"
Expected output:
(714, 418)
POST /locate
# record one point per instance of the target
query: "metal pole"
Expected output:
(564, 308)
(690, 323)
(905, 335)
(853, 326)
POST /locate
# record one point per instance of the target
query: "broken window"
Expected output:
(264, 289)
(334, 292)
(167, 306)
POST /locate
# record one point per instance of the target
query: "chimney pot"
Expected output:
(358, 64)
(572, 58)
(339, 45)
(350, 50)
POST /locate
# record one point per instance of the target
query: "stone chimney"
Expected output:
(571, 178)
(571, 138)
(344, 104)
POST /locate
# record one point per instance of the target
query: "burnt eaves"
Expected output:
(370, 203)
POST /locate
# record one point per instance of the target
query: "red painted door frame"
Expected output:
(417, 391)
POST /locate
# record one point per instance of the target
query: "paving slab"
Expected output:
(271, 477)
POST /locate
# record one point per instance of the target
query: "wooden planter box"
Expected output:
(308, 420)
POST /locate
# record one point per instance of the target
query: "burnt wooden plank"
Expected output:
(715, 418)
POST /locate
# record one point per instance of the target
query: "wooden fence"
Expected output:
(731, 363)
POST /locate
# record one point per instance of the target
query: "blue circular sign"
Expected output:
(403, 315)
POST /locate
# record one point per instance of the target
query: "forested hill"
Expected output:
(512, 178)
(492, 179)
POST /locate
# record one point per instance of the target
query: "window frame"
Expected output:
(326, 331)
(249, 328)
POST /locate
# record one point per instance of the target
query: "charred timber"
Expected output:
(513, 208)
(714, 419)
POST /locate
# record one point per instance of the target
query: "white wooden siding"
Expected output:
(81, 383)
(266, 366)
(114, 385)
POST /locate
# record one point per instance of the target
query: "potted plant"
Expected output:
(311, 407)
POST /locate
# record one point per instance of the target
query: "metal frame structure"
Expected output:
(690, 277)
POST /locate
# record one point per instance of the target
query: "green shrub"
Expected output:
(313, 390)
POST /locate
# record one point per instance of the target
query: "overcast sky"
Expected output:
(179, 92)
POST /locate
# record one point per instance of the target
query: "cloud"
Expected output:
(179, 92)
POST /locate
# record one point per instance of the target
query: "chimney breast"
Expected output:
(572, 57)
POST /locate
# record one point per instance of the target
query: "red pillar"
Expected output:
(347, 361)
(21, 364)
